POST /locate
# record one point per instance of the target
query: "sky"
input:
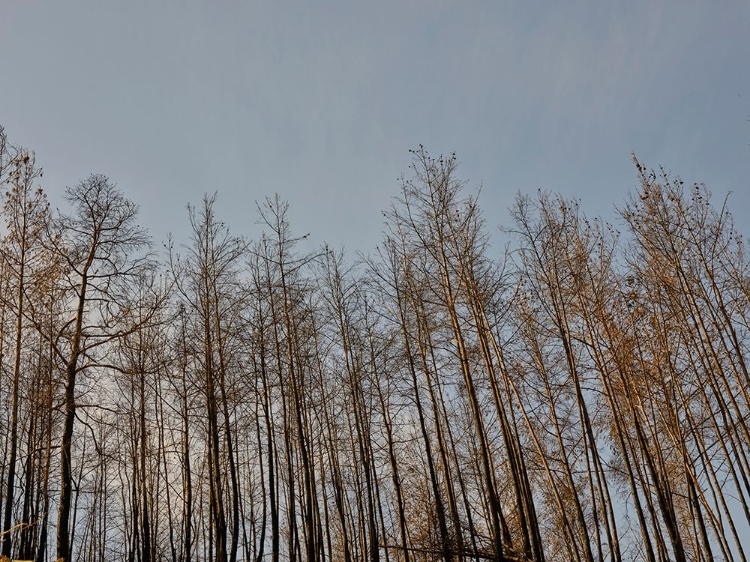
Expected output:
(321, 102)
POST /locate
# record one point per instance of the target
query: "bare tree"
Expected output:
(102, 248)
(27, 215)
(207, 282)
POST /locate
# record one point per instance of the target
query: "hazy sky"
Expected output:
(320, 101)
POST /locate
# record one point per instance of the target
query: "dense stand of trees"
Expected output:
(584, 396)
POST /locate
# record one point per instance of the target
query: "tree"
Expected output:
(27, 218)
(103, 251)
(207, 282)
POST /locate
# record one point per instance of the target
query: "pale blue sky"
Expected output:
(320, 101)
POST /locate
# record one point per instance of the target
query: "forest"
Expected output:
(579, 394)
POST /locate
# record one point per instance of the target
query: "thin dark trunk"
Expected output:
(71, 372)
